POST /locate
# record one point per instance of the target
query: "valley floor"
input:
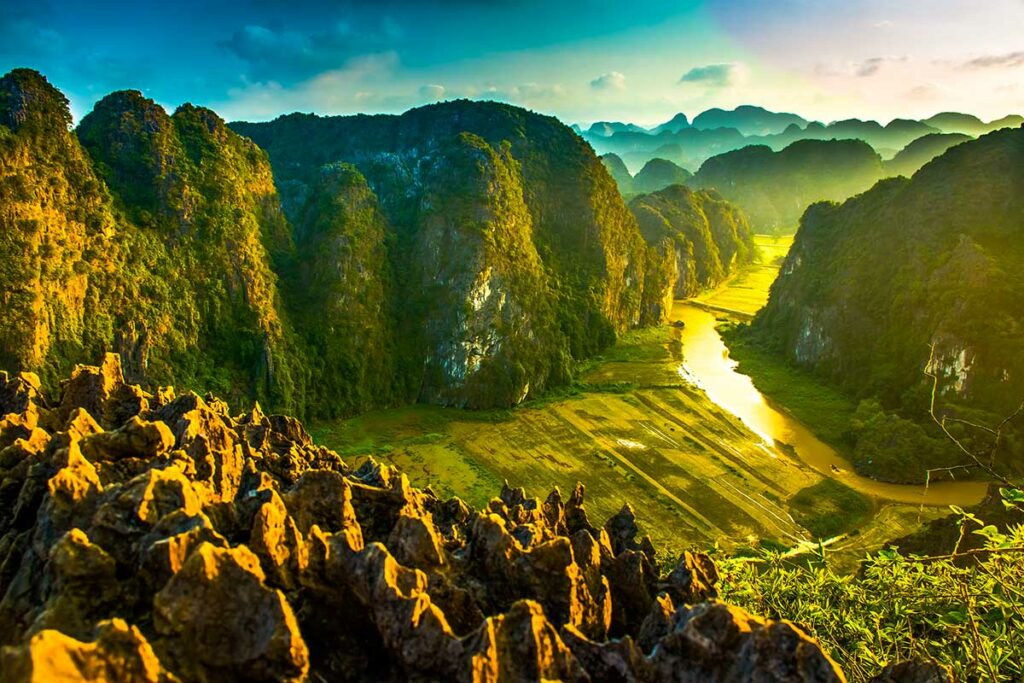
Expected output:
(746, 292)
(635, 431)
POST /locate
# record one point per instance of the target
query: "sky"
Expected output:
(581, 60)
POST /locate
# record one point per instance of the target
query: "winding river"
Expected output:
(706, 364)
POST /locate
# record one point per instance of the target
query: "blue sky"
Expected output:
(641, 60)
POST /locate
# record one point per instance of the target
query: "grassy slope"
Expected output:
(820, 406)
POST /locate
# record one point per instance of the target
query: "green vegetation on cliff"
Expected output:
(463, 254)
(341, 289)
(620, 174)
(921, 151)
(916, 276)
(153, 240)
(657, 174)
(706, 236)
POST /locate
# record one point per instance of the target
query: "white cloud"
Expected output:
(716, 75)
(613, 80)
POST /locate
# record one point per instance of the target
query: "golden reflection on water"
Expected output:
(706, 364)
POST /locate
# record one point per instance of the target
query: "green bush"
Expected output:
(963, 609)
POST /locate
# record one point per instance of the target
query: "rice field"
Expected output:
(747, 291)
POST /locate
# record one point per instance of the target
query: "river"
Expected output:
(706, 364)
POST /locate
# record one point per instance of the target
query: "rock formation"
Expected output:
(156, 537)
(464, 254)
(705, 237)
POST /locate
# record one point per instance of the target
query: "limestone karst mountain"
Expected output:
(673, 125)
(620, 174)
(581, 229)
(657, 174)
(930, 262)
(748, 120)
(705, 237)
(921, 151)
(774, 188)
(446, 265)
(153, 236)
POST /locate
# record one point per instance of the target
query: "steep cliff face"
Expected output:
(481, 301)
(585, 236)
(704, 235)
(341, 294)
(444, 265)
(774, 188)
(151, 241)
(54, 216)
(935, 260)
(200, 202)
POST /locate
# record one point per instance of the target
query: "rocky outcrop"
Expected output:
(149, 537)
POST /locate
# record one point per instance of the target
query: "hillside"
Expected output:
(620, 174)
(705, 236)
(921, 151)
(774, 188)
(579, 225)
(437, 266)
(153, 237)
(657, 174)
(936, 261)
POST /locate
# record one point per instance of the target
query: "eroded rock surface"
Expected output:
(150, 538)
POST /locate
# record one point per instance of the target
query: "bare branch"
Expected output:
(929, 372)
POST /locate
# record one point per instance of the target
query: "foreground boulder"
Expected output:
(150, 538)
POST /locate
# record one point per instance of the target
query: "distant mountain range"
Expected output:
(715, 131)
(782, 163)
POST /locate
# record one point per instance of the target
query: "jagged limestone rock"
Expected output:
(313, 570)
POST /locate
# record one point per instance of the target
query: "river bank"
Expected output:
(663, 422)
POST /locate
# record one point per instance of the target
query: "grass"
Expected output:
(823, 408)
(830, 508)
(676, 457)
